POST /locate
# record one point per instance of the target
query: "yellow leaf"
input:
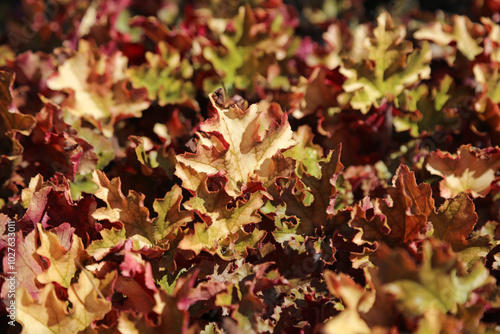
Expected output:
(224, 222)
(390, 68)
(43, 315)
(49, 314)
(62, 261)
(87, 301)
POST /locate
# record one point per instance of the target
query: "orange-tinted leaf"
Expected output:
(455, 220)
(99, 87)
(372, 224)
(87, 303)
(412, 205)
(356, 300)
(172, 320)
(129, 210)
(11, 120)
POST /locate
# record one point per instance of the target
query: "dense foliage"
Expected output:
(250, 166)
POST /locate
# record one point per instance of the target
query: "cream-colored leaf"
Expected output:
(245, 150)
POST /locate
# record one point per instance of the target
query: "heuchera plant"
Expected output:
(262, 166)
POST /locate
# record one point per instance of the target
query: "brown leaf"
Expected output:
(412, 205)
(372, 224)
(324, 191)
(129, 210)
(455, 220)
(11, 120)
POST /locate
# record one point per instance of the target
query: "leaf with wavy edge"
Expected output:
(167, 77)
(99, 86)
(170, 218)
(221, 222)
(412, 205)
(356, 300)
(62, 261)
(27, 265)
(49, 314)
(110, 239)
(323, 190)
(10, 119)
(391, 68)
(463, 32)
(128, 210)
(230, 143)
(438, 282)
(471, 170)
(455, 220)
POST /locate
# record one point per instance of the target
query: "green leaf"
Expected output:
(167, 77)
(305, 152)
(438, 283)
(169, 287)
(391, 68)
(487, 75)
(462, 31)
(142, 145)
